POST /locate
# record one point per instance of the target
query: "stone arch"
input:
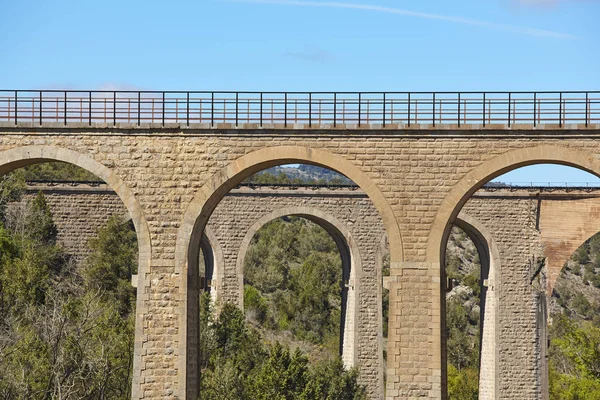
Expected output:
(208, 197)
(351, 269)
(23, 156)
(489, 257)
(477, 177)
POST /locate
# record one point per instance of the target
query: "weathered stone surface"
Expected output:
(171, 179)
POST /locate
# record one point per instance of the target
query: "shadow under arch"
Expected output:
(351, 269)
(474, 180)
(19, 157)
(213, 263)
(208, 197)
(488, 312)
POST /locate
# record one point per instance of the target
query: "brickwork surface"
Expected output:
(238, 212)
(512, 223)
(78, 213)
(419, 178)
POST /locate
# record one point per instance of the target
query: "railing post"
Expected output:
(433, 112)
(334, 109)
(212, 109)
(534, 108)
(384, 109)
(587, 107)
(16, 106)
(90, 108)
(509, 109)
(139, 108)
(359, 108)
(560, 110)
(41, 110)
(310, 110)
(458, 109)
(187, 117)
(115, 108)
(408, 110)
(484, 109)
(65, 109)
(163, 108)
(236, 108)
(261, 111)
(285, 110)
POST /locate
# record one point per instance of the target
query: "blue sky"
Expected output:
(377, 45)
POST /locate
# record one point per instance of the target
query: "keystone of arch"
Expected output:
(477, 177)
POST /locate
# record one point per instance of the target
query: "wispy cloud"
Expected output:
(418, 14)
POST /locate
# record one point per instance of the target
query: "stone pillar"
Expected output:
(488, 375)
(414, 364)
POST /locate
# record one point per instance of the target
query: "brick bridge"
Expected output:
(514, 230)
(172, 156)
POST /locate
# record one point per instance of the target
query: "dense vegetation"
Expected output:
(66, 330)
(293, 278)
(236, 364)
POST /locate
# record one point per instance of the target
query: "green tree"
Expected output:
(112, 262)
(282, 376)
(329, 380)
(463, 384)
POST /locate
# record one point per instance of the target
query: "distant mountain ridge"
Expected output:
(299, 174)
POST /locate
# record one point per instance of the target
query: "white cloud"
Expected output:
(417, 14)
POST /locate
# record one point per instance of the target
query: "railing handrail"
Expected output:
(298, 92)
(360, 108)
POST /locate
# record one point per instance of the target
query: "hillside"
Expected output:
(300, 174)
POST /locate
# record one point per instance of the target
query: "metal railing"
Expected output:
(542, 186)
(310, 109)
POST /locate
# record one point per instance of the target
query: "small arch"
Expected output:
(19, 157)
(351, 269)
(489, 257)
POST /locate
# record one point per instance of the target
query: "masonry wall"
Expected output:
(512, 224)
(161, 170)
(240, 210)
(78, 213)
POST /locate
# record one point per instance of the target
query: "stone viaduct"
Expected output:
(523, 235)
(172, 157)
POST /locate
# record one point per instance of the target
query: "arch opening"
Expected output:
(220, 187)
(531, 282)
(72, 257)
(333, 262)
